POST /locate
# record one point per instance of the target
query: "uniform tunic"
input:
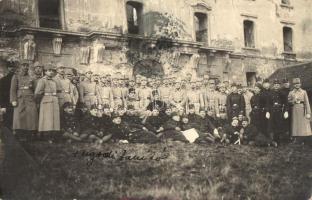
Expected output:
(177, 98)
(65, 90)
(221, 105)
(164, 93)
(194, 97)
(118, 96)
(210, 100)
(277, 114)
(5, 85)
(49, 115)
(300, 125)
(87, 92)
(265, 106)
(25, 113)
(145, 96)
(247, 96)
(105, 95)
(256, 111)
(235, 104)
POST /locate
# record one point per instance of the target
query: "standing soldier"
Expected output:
(235, 103)
(164, 91)
(285, 92)
(144, 94)
(117, 94)
(38, 72)
(5, 85)
(265, 106)
(105, 93)
(301, 112)
(46, 91)
(177, 97)
(25, 118)
(256, 111)
(247, 96)
(87, 91)
(194, 97)
(277, 113)
(221, 112)
(210, 98)
(64, 86)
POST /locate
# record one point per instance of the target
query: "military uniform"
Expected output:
(164, 93)
(105, 95)
(65, 90)
(211, 101)
(5, 85)
(87, 92)
(118, 96)
(49, 115)
(177, 98)
(247, 96)
(172, 130)
(235, 103)
(265, 106)
(221, 105)
(144, 96)
(25, 113)
(256, 111)
(194, 97)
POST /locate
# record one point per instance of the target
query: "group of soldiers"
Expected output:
(52, 99)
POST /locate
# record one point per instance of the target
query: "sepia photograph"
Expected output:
(155, 99)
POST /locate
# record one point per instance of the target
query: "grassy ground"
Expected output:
(170, 171)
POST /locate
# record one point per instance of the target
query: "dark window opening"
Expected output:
(251, 78)
(286, 2)
(201, 27)
(287, 37)
(249, 37)
(134, 17)
(49, 13)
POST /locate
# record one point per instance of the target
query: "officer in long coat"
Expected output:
(5, 85)
(235, 103)
(46, 92)
(25, 116)
(87, 91)
(301, 111)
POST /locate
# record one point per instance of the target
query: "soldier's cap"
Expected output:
(191, 106)
(226, 81)
(81, 105)
(296, 81)
(202, 110)
(221, 85)
(285, 80)
(67, 105)
(276, 81)
(106, 106)
(131, 80)
(184, 116)
(241, 113)
(206, 76)
(24, 62)
(70, 72)
(88, 72)
(49, 66)
(143, 78)
(38, 64)
(60, 65)
(245, 119)
(234, 85)
(212, 81)
(174, 114)
(266, 81)
(130, 107)
(234, 118)
(115, 115)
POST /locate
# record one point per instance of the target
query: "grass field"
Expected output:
(170, 171)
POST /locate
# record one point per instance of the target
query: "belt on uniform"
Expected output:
(24, 88)
(115, 98)
(64, 91)
(299, 102)
(50, 94)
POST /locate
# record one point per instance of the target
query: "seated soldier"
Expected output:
(206, 130)
(252, 136)
(81, 111)
(192, 116)
(185, 125)
(172, 129)
(231, 132)
(240, 118)
(137, 132)
(154, 122)
(106, 120)
(157, 103)
(70, 124)
(168, 113)
(119, 129)
(92, 126)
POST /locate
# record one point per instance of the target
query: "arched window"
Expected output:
(49, 13)
(288, 39)
(249, 37)
(134, 17)
(201, 26)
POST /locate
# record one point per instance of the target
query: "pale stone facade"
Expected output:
(94, 34)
